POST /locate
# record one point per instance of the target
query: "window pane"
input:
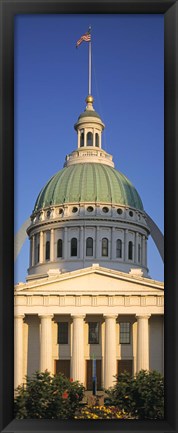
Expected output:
(96, 140)
(73, 247)
(124, 333)
(59, 248)
(89, 139)
(130, 253)
(47, 250)
(119, 248)
(82, 139)
(89, 247)
(104, 247)
(93, 333)
(63, 333)
(139, 251)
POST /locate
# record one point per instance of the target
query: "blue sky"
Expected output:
(51, 84)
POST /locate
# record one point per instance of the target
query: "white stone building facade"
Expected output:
(88, 293)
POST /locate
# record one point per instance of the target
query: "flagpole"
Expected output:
(89, 66)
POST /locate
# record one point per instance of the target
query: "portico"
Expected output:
(117, 329)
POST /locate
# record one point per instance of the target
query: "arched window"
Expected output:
(139, 253)
(89, 139)
(59, 248)
(97, 139)
(82, 139)
(89, 247)
(118, 248)
(47, 250)
(130, 250)
(74, 247)
(104, 247)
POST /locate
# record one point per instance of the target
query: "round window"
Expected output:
(131, 213)
(89, 209)
(105, 209)
(119, 211)
(75, 209)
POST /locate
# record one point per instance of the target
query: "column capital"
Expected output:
(78, 316)
(19, 316)
(110, 316)
(45, 316)
(143, 316)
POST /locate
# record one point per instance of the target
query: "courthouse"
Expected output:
(88, 293)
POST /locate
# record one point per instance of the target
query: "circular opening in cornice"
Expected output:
(105, 209)
(119, 211)
(131, 213)
(74, 209)
(60, 210)
(90, 209)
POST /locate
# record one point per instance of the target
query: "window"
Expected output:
(74, 247)
(97, 139)
(104, 247)
(89, 139)
(93, 337)
(63, 333)
(130, 250)
(124, 333)
(118, 248)
(59, 248)
(139, 253)
(47, 250)
(89, 247)
(82, 139)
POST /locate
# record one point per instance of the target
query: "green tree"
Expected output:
(141, 395)
(48, 396)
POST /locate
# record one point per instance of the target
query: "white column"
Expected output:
(85, 137)
(77, 361)
(41, 248)
(142, 342)
(79, 133)
(113, 244)
(33, 250)
(52, 245)
(18, 350)
(65, 243)
(110, 351)
(81, 243)
(46, 342)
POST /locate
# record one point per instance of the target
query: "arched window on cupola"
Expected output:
(89, 139)
(89, 247)
(47, 255)
(139, 253)
(104, 247)
(59, 248)
(96, 139)
(130, 250)
(74, 247)
(119, 249)
(82, 138)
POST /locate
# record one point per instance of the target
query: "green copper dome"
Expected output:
(88, 182)
(89, 113)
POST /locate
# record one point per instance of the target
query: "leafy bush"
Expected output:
(142, 395)
(48, 396)
(102, 412)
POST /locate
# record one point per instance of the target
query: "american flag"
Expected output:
(86, 37)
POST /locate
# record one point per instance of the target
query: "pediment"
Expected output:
(94, 281)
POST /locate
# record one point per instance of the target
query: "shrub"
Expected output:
(102, 412)
(142, 395)
(48, 396)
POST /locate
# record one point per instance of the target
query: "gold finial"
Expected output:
(89, 99)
